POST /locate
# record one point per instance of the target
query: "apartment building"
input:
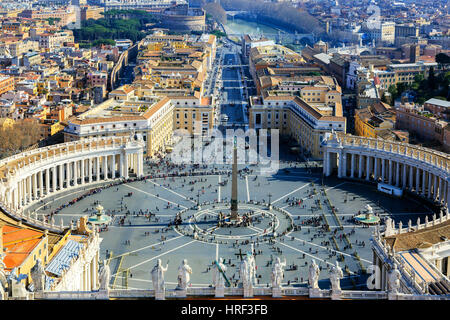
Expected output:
(422, 124)
(152, 118)
(295, 118)
(6, 84)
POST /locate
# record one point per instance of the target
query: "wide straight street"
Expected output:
(232, 96)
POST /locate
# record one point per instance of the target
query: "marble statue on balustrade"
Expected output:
(247, 271)
(336, 275)
(37, 274)
(314, 273)
(278, 272)
(158, 276)
(252, 262)
(394, 279)
(3, 278)
(105, 276)
(16, 284)
(184, 275)
(218, 274)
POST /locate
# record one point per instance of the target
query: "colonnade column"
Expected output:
(125, 165)
(105, 167)
(82, 171)
(447, 197)
(404, 176)
(131, 164)
(397, 174)
(97, 167)
(24, 191)
(54, 178)
(113, 166)
(41, 184)
(435, 188)
(121, 171)
(342, 161)
(140, 165)
(90, 170)
(34, 185)
(417, 180)
(47, 181)
(430, 184)
(390, 173)
(29, 194)
(61, 176)
(69, 173)
(352, 166)
(411, 178)
(383, 169)
(367, 168)
(441, 190)
(360, 166)
(424, 182)
(375, 168)
(76, 172)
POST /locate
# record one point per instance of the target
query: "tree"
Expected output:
(282, 13)
(431, 79)
(442, 59)
(18, 137)
(216, 11)
(393, 91)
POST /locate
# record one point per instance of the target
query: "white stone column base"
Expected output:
(219, 292)
(276, 293)
(336, 294)
(160, 295)
(180, 293)
(103, 295)
(248, 292)
(392, 296)
(315, 293)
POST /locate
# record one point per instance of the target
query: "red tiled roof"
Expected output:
(19, 243)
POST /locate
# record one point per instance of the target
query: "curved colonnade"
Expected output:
(33, 175)
(422, 171)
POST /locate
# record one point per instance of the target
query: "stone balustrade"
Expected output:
(392, 229)
(209, 292)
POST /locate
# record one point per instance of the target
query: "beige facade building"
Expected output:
(154, 116)
(422, 124)
(293, 117)
(153, 119)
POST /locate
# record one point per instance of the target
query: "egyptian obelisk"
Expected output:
(234, 193)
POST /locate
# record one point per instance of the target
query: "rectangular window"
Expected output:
(258, 118)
